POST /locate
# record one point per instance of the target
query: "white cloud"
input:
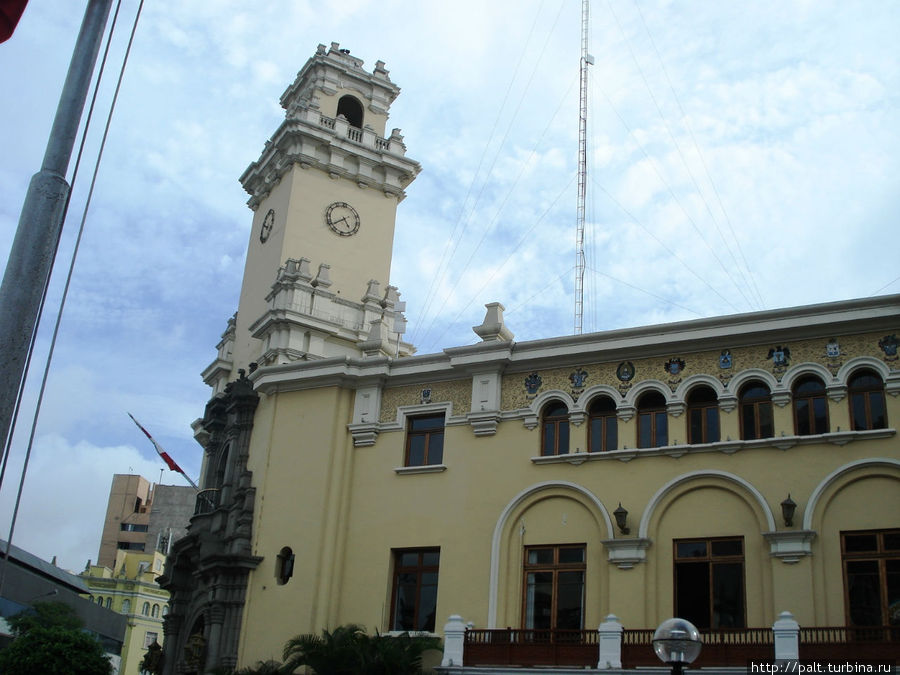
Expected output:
(65, 496)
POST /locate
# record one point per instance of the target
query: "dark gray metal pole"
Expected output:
(40, 225)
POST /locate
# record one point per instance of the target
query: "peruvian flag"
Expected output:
(162, 453)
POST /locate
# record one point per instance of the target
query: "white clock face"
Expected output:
(342, 219)
(267, 224)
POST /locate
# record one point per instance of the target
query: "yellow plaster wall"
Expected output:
(300, 231)
(862, 500)
(343, 509)
(300, 460)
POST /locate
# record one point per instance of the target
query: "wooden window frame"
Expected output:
(710, 560)
(756, 403)
(555, 567)
(880, 555)
(810, 398)
(429, 434)
(419, 569)
(865, 392)
(606, 418)
(556, 423)
(653, 411)
(702, 407)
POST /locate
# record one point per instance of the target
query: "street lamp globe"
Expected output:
(676, 642)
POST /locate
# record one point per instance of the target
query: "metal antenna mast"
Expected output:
(586, 60)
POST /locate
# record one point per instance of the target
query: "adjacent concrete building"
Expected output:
(142, 517)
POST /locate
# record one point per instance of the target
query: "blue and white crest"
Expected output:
(725, 359)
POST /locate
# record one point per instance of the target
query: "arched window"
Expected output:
(603, 430)
(284, 566)
(155, 612)
(653, 425)
(165, 610)
(555, 428)
(867, 410)
(145, 610)
(351, 108)
(108, 603)
(703, 415)
(100, 600)
(126, 606)
(756, 412)
(810, 406)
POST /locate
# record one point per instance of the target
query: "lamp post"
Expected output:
(676, 642)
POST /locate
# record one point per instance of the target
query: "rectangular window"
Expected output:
(425, 440)
(130, 546)
(703, 425)
(414, 596)
(554, 587)
(150, 638)
(872, 577)
(653, 429)
(132, 527)
(604, 433)
(709, 582)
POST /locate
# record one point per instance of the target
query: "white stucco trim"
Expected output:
(714, 383)
(799, 370)
(861, 362)
(832, 478)
(644, 386)
(707, 473)
(515, 502)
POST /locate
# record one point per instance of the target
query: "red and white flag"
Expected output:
(162, 453)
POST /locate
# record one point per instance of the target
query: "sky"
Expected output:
(740, 156)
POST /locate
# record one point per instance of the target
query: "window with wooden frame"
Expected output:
(653, 421)
(867, 409)
(425, 440)
(709, 582)
(414, 589)
(703, 415)
(810, 406)
(871, 560)
(553, 593)
(555, 429)
(757, 420)
(603, 430)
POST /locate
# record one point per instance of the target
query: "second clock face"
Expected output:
(267, 224)
(342, 219)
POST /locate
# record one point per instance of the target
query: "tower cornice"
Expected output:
(329, 71)
(312, 140)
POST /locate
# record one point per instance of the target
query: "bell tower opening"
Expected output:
(351, 108)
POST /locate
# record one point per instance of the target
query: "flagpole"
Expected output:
(40, 224)
(171, 463)
(30, 261)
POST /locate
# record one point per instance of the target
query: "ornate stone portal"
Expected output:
(206, 572)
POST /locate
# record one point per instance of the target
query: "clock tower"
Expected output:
(324, 194)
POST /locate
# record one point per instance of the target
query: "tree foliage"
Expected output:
(49, 640)
(348, 650)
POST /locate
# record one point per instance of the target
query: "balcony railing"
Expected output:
(833, 643)
(207, 501)
(525, 647)
(721, 647)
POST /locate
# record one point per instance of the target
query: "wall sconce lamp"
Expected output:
(788, 506)
(621, 519)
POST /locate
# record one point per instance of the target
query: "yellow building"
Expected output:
(130, 588)
(723, 470)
